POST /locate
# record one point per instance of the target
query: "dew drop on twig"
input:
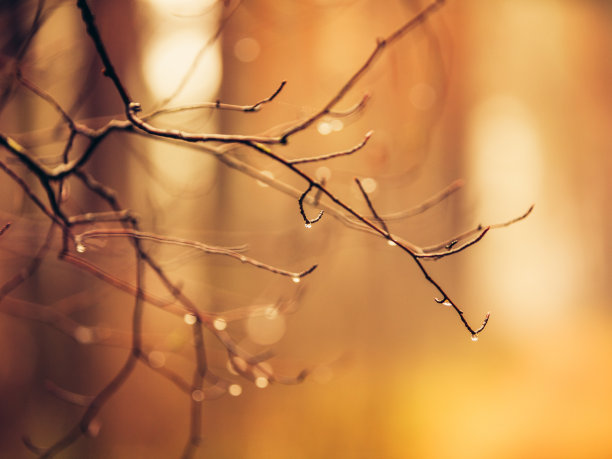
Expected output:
(308, 225)
(474, 337)
(296, 279)
(80, 247)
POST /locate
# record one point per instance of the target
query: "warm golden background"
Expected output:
(513, 97)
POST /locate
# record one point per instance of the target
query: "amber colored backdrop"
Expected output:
(513, 97)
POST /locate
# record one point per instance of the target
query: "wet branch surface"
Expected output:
(204, 384)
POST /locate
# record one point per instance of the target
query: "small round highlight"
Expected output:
(323, 173)
(197, 395)
(220, 323)
(190, 319)
(234, 390)
(83, 335)
(324, 128)
(156, 359)
(247, 49)
(369, 185)
(262, 382)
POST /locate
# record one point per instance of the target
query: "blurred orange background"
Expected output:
(513, 97)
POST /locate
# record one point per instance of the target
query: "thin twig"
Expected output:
(337, 154)
(371, 207)
(230, 252)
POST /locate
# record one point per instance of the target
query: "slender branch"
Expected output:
(5, 227)
(232, 253)
(369, 203)
(216, 105)
(307, 221)
(337, 154)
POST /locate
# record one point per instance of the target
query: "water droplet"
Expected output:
(262, 382)
(296, 279)
(80, 248)
(220, 323)
(474, 337)
(447, 303)
(391, 243)
(190, 319)
(197, 395)
(235, 390)
(308, 225)
(243, 259)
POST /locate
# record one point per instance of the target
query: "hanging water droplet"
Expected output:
(391, 243)
(446, 303)
(296, 279)
(243, 259)
(261, 382)
(474, 337)
(308, 225)
(80, 248)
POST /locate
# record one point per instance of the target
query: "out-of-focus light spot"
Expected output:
(323, 173)
(369, 185)
(171, 56)
(80, 247)
(235, 390)
(324, 128)
(268, 174)
(197, 395)
(336, 125)
(505, 152)
(262, 382)
(190, 319)
(93, 429)
(265, 329)
(83, 335)
(422, 96)
(246, 49)
(220, 323)
(157, 359)
(182, 7)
